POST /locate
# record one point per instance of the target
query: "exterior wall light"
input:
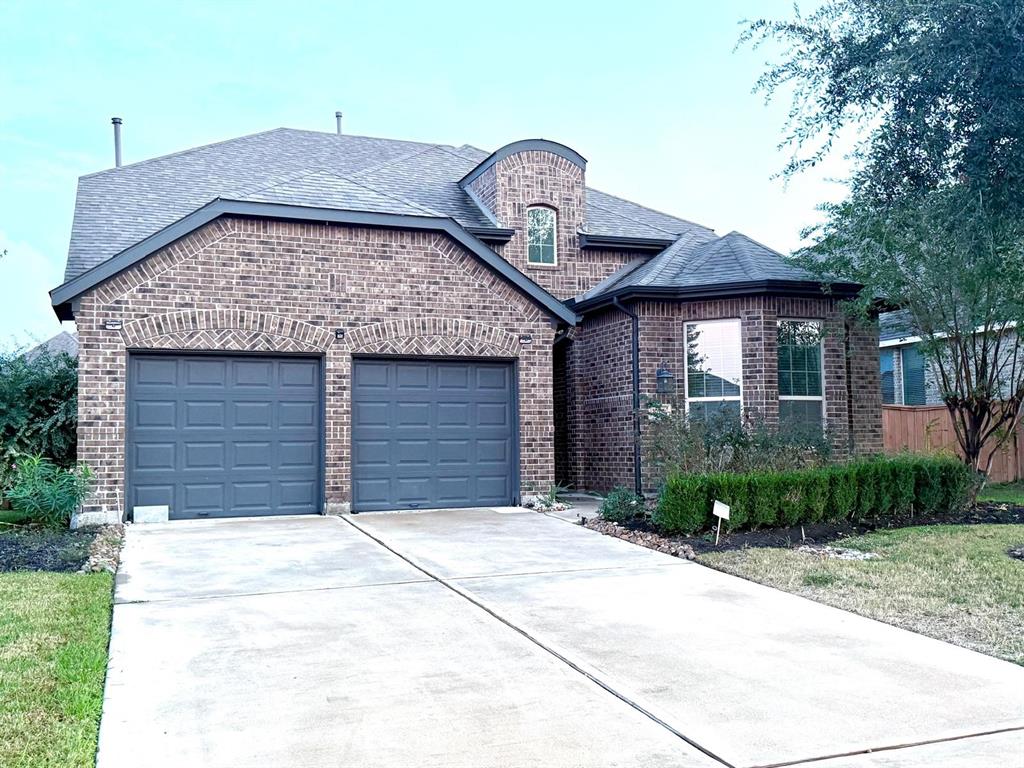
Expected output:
(666, 381)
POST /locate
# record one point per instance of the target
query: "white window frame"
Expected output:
(686, 365)
(821, 360)
(554, 246)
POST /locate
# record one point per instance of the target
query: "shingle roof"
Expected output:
(700, 258)
(63, 343)
(119, 207)
(895, 325)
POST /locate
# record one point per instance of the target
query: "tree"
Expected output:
(933, 220)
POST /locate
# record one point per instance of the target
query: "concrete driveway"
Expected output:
(508, 638)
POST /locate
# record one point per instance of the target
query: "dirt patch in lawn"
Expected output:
(643, 533)
(37, 548)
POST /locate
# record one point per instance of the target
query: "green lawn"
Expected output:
(955, 583)
(54, 630)
(1004, 493)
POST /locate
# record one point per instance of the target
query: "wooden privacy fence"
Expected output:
(929, 429)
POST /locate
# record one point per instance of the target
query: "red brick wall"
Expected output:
(242, 284)
(600, 421)
(601, 440)
(535, 177)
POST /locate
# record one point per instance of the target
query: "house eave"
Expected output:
(615, 242)
(63, 296)
(789, 288)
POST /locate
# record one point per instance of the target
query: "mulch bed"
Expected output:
(643, 533)
(37, 548)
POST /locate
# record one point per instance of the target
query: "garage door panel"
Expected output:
(412, 376)
(371, 492)
(204, 413)
(299, 374)
(372, 453)
(204, 455)
(155, 372)
(424, 432)
(493, 451)
(213, 436)
(252, 455)
(155, 414)
(454, 490)
(203, 497)
(453, 451)
(252, 374)
(206, 373)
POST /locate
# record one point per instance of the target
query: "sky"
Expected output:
(653, 94)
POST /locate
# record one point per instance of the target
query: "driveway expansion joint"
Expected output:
(891, 748)
(225, 595)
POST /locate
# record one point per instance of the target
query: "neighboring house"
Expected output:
(63, 343)
(292, 322)
(907, 378)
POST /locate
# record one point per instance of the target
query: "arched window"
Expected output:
(540, 235)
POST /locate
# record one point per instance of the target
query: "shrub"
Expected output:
(927, 485)
(866, 475)
(902, 472)
(38, 409)
(674, 443)
(765, 491)
(734, 489)
(622, 505)
(816, 493)
(685, 504)
(47, 493)
(793, 501)
(842, 485)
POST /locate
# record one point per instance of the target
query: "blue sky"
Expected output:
(652, 94)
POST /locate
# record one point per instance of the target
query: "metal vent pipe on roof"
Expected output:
(337, 116)
(117, 141)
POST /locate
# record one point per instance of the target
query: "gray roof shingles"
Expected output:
(119, 207)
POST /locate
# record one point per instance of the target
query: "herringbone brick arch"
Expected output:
(231, 330)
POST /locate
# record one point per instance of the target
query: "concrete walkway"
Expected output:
(509, 638)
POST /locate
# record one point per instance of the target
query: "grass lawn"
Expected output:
(54, 629)
(1003, 493)
(955, 583)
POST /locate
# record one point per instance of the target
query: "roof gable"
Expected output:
(63, 296)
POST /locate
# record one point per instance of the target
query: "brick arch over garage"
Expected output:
(433, 336)
(225, 329)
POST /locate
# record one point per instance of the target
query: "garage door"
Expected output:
(432, 434)
(224, 436)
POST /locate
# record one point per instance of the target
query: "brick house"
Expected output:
(299, 322)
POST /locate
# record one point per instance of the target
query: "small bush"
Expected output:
(734, 489)
(47, 493)
(864, 489)
(38, 409)
(765, 489)
(816, 493)
(622, 505)
(685, 504)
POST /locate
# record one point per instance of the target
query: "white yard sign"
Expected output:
(721, 511)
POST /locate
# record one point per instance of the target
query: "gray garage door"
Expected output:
(224, 436)
(432, 434)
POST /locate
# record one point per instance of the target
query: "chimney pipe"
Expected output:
(337, 116)
(117, 140)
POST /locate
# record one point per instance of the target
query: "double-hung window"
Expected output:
(801, 389)
(540, 235)
(714, 369)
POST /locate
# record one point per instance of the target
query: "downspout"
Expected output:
(637, 477)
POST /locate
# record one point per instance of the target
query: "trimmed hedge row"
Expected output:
(860, 490)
